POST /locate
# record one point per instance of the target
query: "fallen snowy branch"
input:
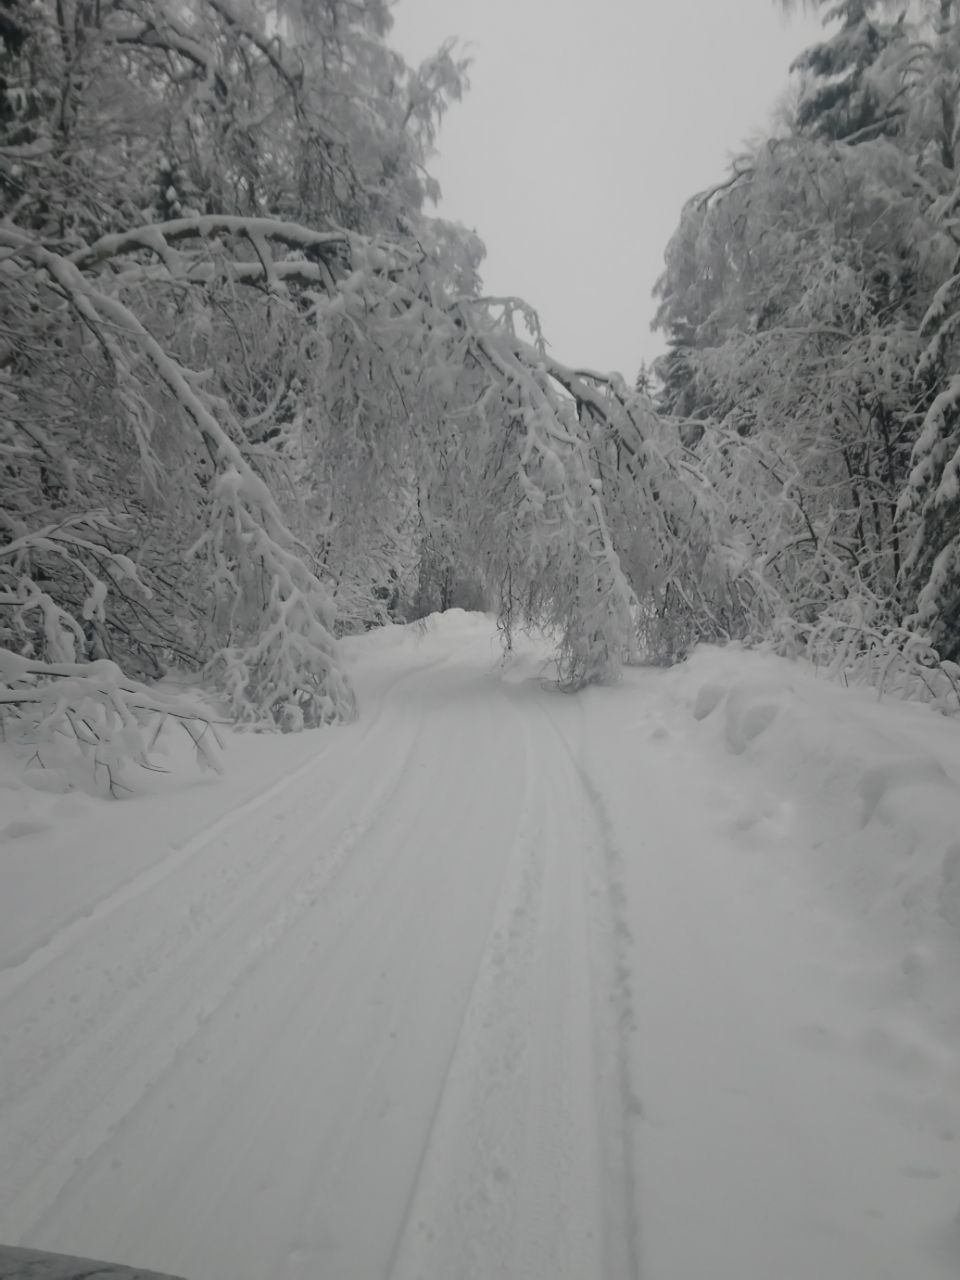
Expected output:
(98, 714)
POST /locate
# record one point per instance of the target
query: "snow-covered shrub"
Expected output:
(857, 648)
(62, 713)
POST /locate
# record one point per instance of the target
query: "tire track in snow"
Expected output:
(14, 973)
(304, 1072)
(523, 1169)
(611, 943)
(415, 1236)
(221, 890)
(302, 1033)
(86, 1078)
(176, 1030)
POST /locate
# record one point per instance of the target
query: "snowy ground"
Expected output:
(658, 981)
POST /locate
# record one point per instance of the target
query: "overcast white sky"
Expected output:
(587, 125)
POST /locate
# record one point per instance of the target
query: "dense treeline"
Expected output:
(252, 395)
(812, 306)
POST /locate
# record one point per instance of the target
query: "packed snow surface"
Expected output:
(656, 981)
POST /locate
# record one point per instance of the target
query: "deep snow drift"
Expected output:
(660, 980)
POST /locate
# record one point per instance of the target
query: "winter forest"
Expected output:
(253, 397)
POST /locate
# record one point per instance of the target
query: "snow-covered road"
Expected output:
(493, 983)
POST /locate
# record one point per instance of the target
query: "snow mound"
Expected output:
(878, 782)
(709, 696)
(864, 795)
(948, 893)
(391, 638)
(750, 709)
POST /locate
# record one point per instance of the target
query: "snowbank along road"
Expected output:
(496, 982)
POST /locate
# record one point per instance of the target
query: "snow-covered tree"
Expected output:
(930, 502)
(802, 284)
(845, 97)
(165, 325)
(810, 305)
(248, 389)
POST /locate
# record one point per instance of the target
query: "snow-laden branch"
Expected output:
(326, 246)
(247, 542)
(285, 272)
(97, 711)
